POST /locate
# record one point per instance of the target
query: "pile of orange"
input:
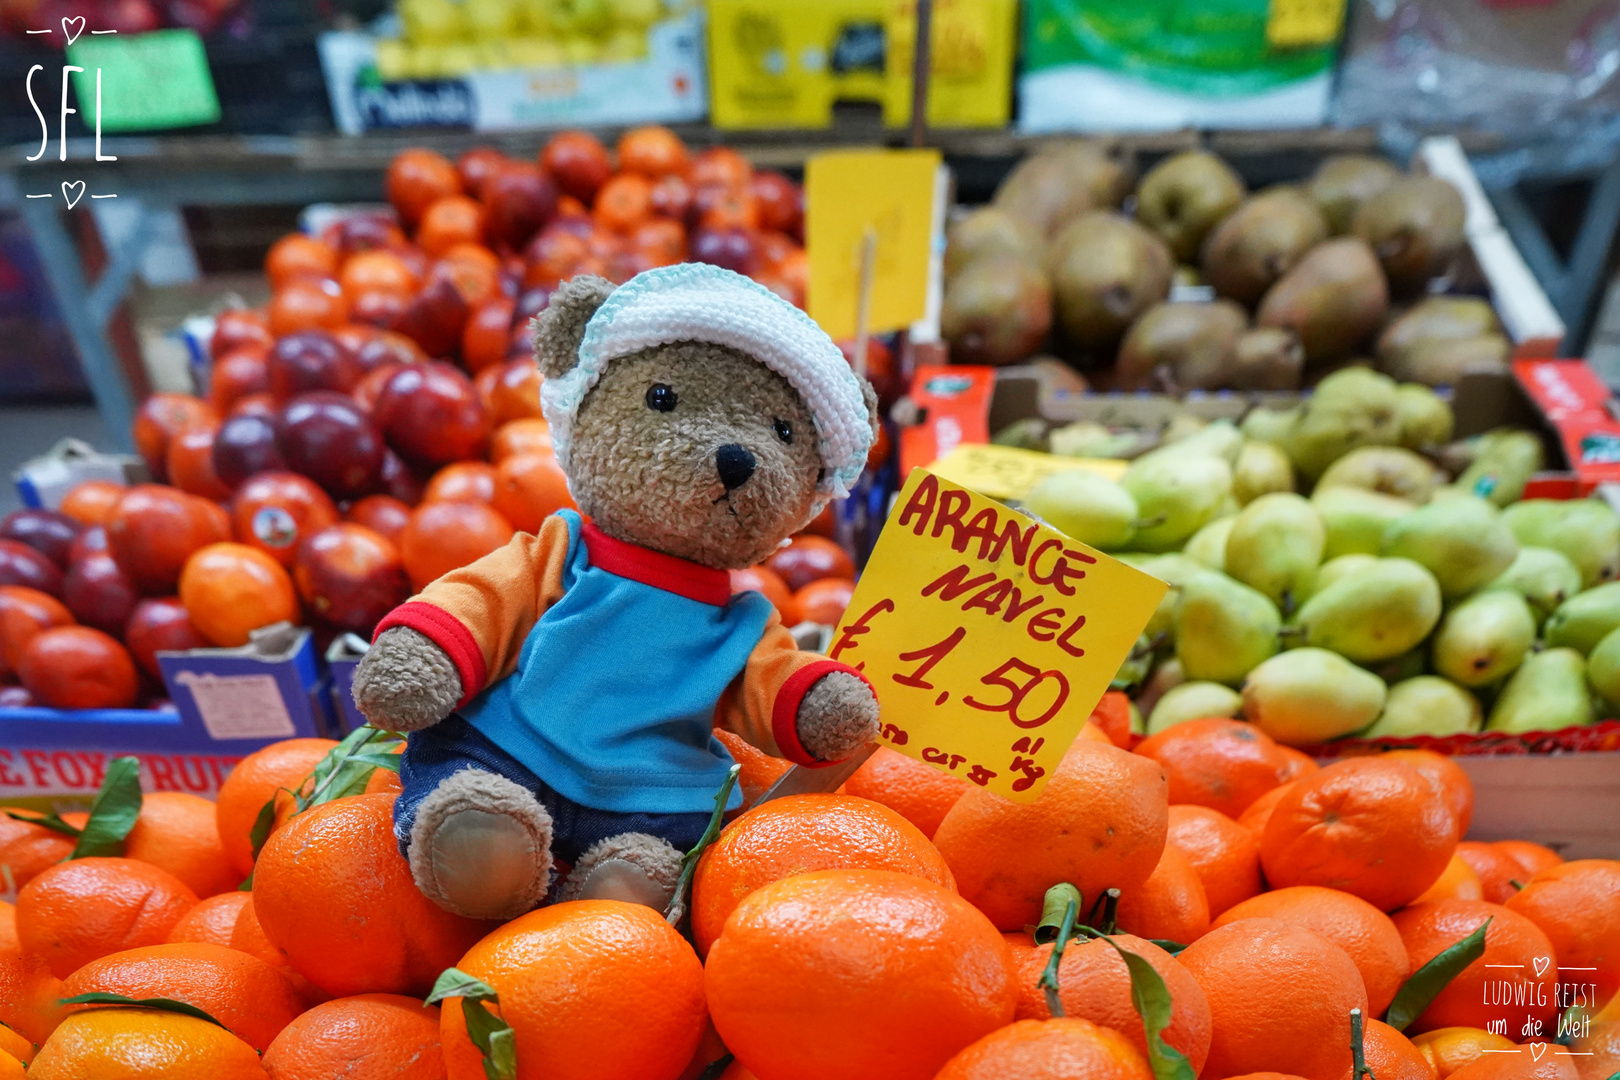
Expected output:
(877, 933)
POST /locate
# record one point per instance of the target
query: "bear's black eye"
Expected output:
(661, 397)
(783, 429)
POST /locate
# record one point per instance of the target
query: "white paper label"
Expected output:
(239, 706)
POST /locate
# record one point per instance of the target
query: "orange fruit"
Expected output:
(1391, 1055)
(1100, 823)
(721, 165)
(143, 1044)
(1365, 934)
(382, 514)
(1533, 858)
(1496, 869)
(623, 202)
(1458, 882)
(530, 488)
(177, 832)
(1601, 1044)
(91, 502)
(24, 613)
(920, 793)
(1219, 763)
(240, 991)
(858, 974)
(808, 558)
(513, 391)
(759, 769)
(160, 418)
(153, 531)
(230, 590)
(1279, 998)
(452, 220)
(798, 834)
(762, 579)
(30, 996)
(1448, 776)
(1225, 855)
(1577, 905)
(416, 178)
(20, 1049)
(296, 255)
(367, 1037)
(248, 936)
(190, 463)
(1095, 985)
(307, 304)
(1259, 812)
(1299, 763)
(255, 780)
(1449, 1049)
(274, 511)
(446, 536)
(76, 667)
(1113, 716)
(593, 989)
(212, 921)
(342, 857)
(579, 163)
(377, 270)
(824, 601)
(1520, 1066)
(1170, 905)
(461, 481)
(1370, 826)
(652, 151)
(27, 849)
(80, 910)
(1483, 991)
(1049, 1050)
(8, 926)
(525, 435)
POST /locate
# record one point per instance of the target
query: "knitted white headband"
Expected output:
(699, 302)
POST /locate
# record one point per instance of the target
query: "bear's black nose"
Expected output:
(735, 465)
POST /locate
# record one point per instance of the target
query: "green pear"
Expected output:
(1603, 667)
(1585, 618)
(1356, 518)
(1208, 545)
(1484, 637)
(1219, 438)
(1269, 425)
(1134, 669)
(1307, 696)
(1174, 570)
(1389, 470)
(1426, 419)
(1165, 678)
(1138, 723)
(1507, 459)
(1586, 530)
(1085, 505)
(1426, 705)
(1351, 407)
(1177, 493)
(1261, 469)
(1547, 693)
(1334, 569)
(1276, 545)
(1372, 613)
(1543, 576)
(1223, 628)
(1193, 700)
(1462, 540)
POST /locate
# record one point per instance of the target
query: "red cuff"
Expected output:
(785, 713)
(447, 632)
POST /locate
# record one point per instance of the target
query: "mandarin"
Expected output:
(296, 255)
(229, 590)
(762, 579)
(451, 220)
(920, 793)
(307, 303)
(84, 909)
(178, 832)
(91, 502)
(27, 849)
(1501, 984)
(1219, 763)
(1600, 1046)
(1577, 905)
(1449, 1049)
(1170, 905)
(248, 936)
(652, 151)
(1060, 1049)
(143, 1044)
(366, 1037)
(342, 857)
(824, 601)
(1391, 1055)
(461, 481)
(30, 996)
(798, 834)
(530, 488)
(416, 179)
(1279, 998)
(446, 536)
(8, 926)
(15, 1045)
(1225, 855)
(160, 418)
(212, 921)
(1100, 823)
(1532, 858)
(1373, 827)
(1552, 1065)
(1448, 776)
(525, 435)
(1459, 882)
(271, 773)
(858, 974)
(1496, 870)
(24, 613)
(77, 667)
(593, 989)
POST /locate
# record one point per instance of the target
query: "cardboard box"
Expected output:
(775, 65)
(269, 689)
(43, 481)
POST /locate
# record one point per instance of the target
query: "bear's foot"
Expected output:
(633, 867)
(481, 847)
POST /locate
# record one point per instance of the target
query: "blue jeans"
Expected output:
(435, 754)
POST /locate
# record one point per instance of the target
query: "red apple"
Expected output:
(311, 360)
(518, 201)
(23, 565)
(46, 531)
(351, 576)
(246, 444)
(435, 318)
(431, 415)
(160, 623)
(731, 248)
(99, 594)
(327, 437)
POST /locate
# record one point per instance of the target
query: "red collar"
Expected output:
(668, 572)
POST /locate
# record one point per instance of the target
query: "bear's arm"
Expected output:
(480, 614)
(765, 705)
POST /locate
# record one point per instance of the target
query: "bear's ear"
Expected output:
(872, 417)
(559, 329)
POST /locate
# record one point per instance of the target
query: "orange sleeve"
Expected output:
(481, 613)
(762, 705)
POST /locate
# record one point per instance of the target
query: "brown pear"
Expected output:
(1441, 338)
(1180, 346)
(1415, 226)
(1056, 185)
(1344, 181)
(997, 311)
(987, 232)
(1106, 270)
(1260, 242)
(1333, 299)
(1267, 358)
(1185, 196)
(1442, 361)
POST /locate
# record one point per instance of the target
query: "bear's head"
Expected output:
(674, 419)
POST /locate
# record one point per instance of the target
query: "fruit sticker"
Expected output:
(988, 636)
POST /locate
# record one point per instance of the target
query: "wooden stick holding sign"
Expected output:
(863, 305)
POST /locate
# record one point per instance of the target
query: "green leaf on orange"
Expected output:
(1154, 1005)
(162, 1004)
(1426, 983)
(113, 812)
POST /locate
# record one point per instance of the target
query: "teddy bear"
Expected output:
(559, 695)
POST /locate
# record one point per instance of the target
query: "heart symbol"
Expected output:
(1536, 1050)
(1541, 964)
(77, 192)
(73, 27)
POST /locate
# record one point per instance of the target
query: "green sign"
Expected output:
(148, 82)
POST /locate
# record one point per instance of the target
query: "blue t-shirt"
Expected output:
(613, 699)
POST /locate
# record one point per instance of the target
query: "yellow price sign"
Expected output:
(1301, 23)
(988, 637)
(1008, 472)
